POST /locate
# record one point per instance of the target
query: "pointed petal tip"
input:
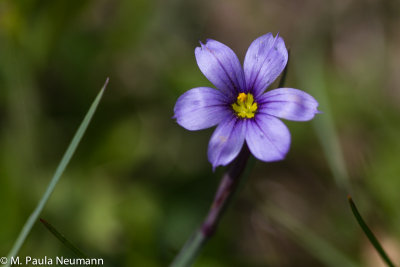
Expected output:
(214, 167)
(265, 60)
(221, 66)
(268, 138)
(204, 44)
(289, 104)
(208, 40)
(226, 142)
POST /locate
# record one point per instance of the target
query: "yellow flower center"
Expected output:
(245, 107)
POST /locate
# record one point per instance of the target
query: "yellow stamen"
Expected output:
(245, 107)
(242, 97)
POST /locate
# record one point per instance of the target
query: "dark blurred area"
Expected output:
(139, 184)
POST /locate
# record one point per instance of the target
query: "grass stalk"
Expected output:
(56, 177)
(370, 235)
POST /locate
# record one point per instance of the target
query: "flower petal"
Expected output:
(226, 141)
(268, 138)
(265, 60)
(288, 103)
(221, 67)
(201, 108)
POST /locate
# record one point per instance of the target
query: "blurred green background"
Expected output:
(139, 184)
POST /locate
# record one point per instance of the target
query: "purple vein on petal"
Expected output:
(223, 68)
(269, 52)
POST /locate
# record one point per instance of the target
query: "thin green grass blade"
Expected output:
(312, 76)
(63, 240)
(56, 177)
(374, 241)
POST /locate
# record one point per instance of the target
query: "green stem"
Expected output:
(223, 197)
(56, 177)
(374, 241)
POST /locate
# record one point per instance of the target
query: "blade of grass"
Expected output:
(312, 62)
(56, 177)
(63, 240)
(374, 241)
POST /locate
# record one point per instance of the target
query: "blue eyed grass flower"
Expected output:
(239, 107)
(246, 117)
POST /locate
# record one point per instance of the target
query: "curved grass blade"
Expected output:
(56, 177)
(63, 240)
(369, 233)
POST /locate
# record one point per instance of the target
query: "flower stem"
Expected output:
(227, 188)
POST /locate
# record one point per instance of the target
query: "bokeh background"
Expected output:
(139, 184)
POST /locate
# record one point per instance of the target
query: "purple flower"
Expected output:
(239, 106)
